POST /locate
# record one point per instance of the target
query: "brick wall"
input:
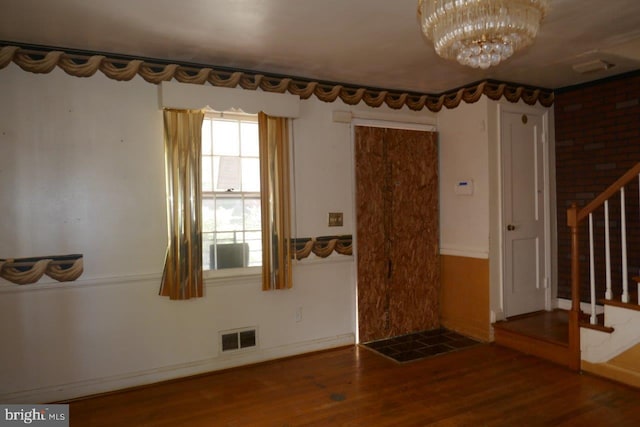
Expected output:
(597, 139)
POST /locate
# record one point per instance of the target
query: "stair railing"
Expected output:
(574, 217)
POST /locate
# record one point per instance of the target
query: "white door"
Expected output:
(523, 183)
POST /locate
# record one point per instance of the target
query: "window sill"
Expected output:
(231, 276)
(253, 275)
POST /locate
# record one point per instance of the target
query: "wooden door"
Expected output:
(397, 231)
(525, 278)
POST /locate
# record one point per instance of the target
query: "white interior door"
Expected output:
(525, 272)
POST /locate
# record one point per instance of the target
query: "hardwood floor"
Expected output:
(486, 385)
(552, 326)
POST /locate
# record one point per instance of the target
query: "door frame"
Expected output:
(378, 123)
(549, 205)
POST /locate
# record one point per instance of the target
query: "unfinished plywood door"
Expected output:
(397, 231)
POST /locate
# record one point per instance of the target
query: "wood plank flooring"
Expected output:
(486, 385)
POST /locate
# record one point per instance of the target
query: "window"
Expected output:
(231, 217)
(229, 197)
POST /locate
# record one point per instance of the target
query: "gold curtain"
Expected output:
(182, 276)
(274, 189)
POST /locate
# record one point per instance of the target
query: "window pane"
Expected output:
(252, 218)
(226, 237)
(228, 174)
(226, 138)
(208, 215)
(207, 173)
(250, 139)
(206, 137)
(216, 169)
(254, 239)
(251, 174)
(208, 251)
(230, 219)
(228, 214)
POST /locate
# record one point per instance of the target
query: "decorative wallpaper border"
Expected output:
(85, 64)
(322, 246)
(24, 271)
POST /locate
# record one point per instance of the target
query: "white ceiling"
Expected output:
(372, 43)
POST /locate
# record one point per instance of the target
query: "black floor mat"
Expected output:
(421, 345)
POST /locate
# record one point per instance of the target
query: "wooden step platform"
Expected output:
(585, 322)
(544, 334)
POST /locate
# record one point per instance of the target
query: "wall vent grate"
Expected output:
(239, 339)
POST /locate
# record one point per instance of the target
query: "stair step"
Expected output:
(585, 322)
(542, 334)
(617, 302)
(543, 348)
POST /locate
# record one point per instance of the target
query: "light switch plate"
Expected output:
(335, 219)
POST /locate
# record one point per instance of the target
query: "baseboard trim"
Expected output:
(75, 390)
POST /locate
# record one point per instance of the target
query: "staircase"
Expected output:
(606, 339)
(611, 347)
(596, 343)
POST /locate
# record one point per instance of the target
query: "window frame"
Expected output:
(225, 273)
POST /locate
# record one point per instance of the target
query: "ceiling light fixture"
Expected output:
(481, 33)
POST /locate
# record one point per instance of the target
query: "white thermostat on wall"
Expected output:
(464, 188)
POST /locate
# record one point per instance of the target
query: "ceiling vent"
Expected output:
(592, 66)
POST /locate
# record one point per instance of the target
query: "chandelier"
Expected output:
(480, 33)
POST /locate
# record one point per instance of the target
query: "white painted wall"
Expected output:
(470, 226)
(82, 171)
(464, 155)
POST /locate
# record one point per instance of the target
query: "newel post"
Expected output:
(574, 314)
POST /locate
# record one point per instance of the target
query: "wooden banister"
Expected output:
(574, 217)
(610, 191)
(574, 313)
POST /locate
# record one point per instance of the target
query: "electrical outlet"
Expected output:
(299, 315)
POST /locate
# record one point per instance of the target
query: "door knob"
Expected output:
(511, 227)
